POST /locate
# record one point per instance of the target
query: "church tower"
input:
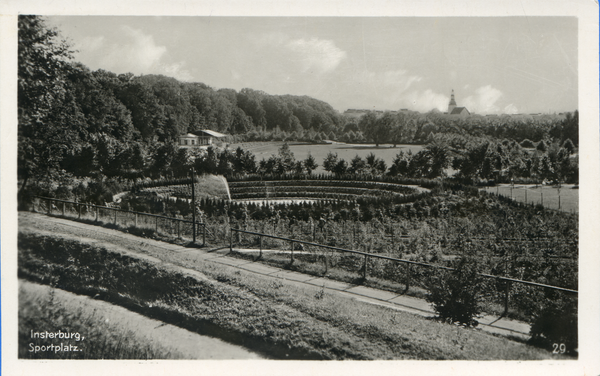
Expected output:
(452, 103)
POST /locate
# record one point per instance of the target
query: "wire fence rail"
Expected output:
(564, 198)
(366, 264)
(297, 248)
(170, 226)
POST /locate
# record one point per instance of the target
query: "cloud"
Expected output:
(176, 70)
(511, 109)
(134, 52)
(427, 100)
(484, 100)
(315, 54)
(364, 88)
(296, 56)
(397, 80)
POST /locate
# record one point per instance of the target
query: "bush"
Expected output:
(541, 146)
(526, 143)
(456, 295)
(555, 323)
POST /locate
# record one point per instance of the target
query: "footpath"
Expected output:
(492, 324)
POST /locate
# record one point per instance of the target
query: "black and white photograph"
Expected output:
(228, 189)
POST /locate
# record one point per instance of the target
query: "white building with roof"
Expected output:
(199, 139)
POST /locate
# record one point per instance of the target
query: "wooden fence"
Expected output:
(182, 228)
(366, 256)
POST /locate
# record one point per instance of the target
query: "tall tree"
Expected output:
(43, 63)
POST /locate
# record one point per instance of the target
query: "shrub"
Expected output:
(568, 144)
(456, 294)
(541, 146)
(555, 323)
(527, 143)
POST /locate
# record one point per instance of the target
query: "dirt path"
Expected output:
(190, 345)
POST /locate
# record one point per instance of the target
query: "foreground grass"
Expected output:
(95, 337)
(281, 320)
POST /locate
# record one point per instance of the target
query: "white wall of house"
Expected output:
(195, 141)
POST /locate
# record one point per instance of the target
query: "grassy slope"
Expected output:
(282, 320)
(99, 338)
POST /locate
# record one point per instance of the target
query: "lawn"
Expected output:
(387, 152)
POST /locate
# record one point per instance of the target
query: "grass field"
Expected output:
(569, 196)
(387, 152)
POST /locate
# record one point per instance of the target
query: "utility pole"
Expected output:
(193, 208)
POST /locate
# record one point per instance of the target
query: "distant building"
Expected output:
(199, 139)
(454, 110)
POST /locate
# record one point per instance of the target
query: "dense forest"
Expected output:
(75, 123)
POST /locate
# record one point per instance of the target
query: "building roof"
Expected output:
(204, 132)
(459, 110)
(212, 133)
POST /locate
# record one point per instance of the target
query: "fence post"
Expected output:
(49, 207)
(136, 220)
(178, 229)
(506, 294)
(230, 240)
(408, 275)
(115, 216)
(156, 225)
(260, 246)
(63, 209)
(365, 268)
(97, 214)
(78, 211)
(292, 251)
(203, 234)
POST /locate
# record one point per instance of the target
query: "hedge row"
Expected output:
(393, 187)
(301, 190)
(426, 183)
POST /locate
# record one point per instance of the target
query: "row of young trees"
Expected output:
(484, 160)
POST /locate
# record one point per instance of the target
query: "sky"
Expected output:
(493, 64)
